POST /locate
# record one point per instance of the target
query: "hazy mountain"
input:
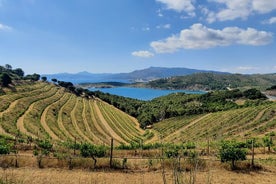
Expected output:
(153, 73)
(147, 74)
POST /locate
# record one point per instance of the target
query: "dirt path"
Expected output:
(20, 122)
(103, 134)
(45, 125)
(75, 123)
(86, 124)
(11, 106)
(106, 125)
(21, 119)
(176, 133)
(60, 122)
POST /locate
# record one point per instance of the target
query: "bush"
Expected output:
(93, 151)
(172, 152)
(5, 148)
(231, 151)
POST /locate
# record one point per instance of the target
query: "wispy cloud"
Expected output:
(5, 27)
(180, 6)
(239, 9)
(199, 36)
(142, 53)
(165, 26)
(272, 20)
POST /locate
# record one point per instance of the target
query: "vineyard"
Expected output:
(43, 110)
(46, 111)
(237, 123)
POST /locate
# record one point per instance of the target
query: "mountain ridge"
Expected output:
(143, 75)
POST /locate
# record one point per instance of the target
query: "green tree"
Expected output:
(231, 151)
(33, 77)
(19, 72)
(5, 80)
(93, 151)
(44, 78)
(254, 94)
(8, 67)
(54, 80)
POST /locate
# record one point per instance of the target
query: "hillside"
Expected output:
(61, 112)
(41, 110)
(215, 81)
(231, 124)
(179, 104)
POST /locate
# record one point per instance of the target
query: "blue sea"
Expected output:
(141, 93)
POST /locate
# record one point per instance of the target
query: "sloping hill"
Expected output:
(215, 81)
(45, 110)
(238, 123)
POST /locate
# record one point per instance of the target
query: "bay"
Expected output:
(141, 93)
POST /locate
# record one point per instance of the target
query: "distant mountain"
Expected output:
(144, 75)
(154, 73)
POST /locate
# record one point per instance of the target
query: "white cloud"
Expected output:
(264, 6)
(142, 53)
(165, 26)
(180, 5)
(5, 27)
(202, 37)
(240, 9)
(272, 20)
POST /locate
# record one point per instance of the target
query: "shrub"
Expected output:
(5, 147)
(93, 151)
(231, 151)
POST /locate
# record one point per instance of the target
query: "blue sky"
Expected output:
(112, 36)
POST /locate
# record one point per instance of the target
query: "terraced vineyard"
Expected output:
(238, 123)
(46, 111)
(42, 110)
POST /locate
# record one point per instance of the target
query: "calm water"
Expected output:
(141, 93)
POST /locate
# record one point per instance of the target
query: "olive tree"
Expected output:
(231, 151)
(93, 151)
